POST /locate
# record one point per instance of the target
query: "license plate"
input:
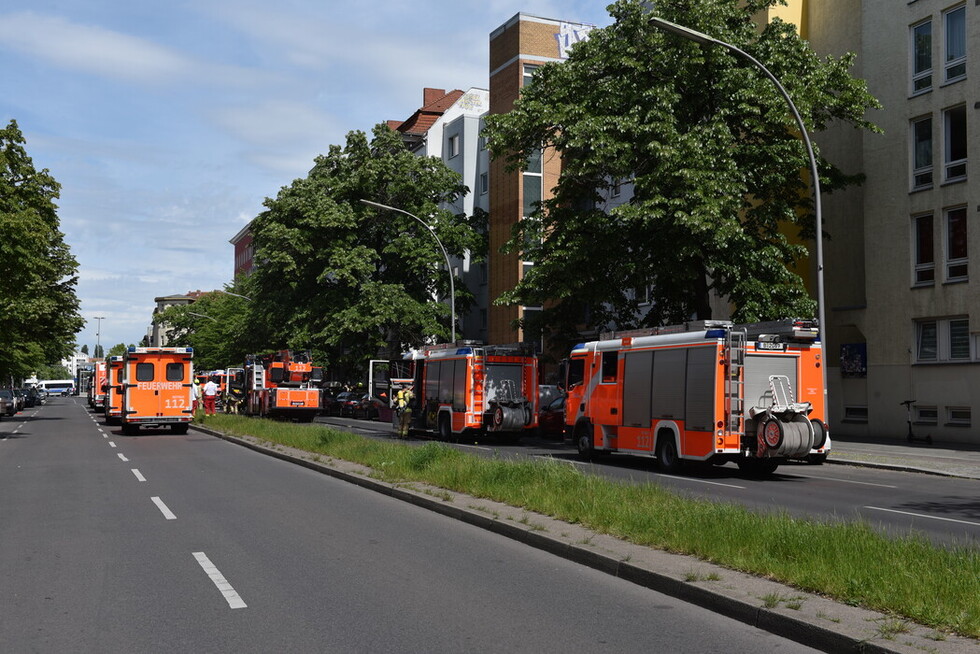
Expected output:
(294, 403)
(770, 346)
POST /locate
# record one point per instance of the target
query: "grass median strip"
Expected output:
(848, 561)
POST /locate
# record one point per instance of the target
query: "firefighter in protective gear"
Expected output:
(403, 409)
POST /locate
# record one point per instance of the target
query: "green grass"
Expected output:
(907, 577)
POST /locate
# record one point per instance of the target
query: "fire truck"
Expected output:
(112, 408)
(157, 388)
(706, 391)
(283, 384)
(462, 389)
(97, 391)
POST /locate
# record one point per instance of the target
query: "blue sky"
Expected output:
(168, 122)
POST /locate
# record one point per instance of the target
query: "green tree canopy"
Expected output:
(39, 311)
(344, 279)
(220, 327)
(720, 201)
(117, 350)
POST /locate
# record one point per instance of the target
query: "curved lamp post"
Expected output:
(449, 265)
(704, 39)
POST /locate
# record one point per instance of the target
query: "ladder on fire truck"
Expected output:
(735, 341)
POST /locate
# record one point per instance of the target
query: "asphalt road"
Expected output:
(172, 543)
(945, 509)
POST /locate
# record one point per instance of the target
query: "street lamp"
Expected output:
(234, 294)
(704, 39)
(201, 315)
(449, 265)
(98, 332)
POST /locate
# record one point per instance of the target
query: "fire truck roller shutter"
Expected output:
(758, 368)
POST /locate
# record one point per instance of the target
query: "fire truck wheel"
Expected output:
(180, 428)
(130, 429)
(816, 459)
(667, 457)
(583, 441)
(772, 433)
(445, 428)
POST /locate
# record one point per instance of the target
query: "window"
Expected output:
(923, 252)
(956, 247)
(144, 372)
(926, 415)
(484, 183)
(453, 146)
(855, 414)
(954, 134)
(175, 372)
(955, 33)
(958, 416)
(610, 361)
(922, 57)
(922, 153)
(944, 340)
(529, 70)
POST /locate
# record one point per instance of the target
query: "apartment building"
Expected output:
(517, 49)
(447, 126)
(903, 313)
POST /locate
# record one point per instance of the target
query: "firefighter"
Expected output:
(196, 394)
(403, 408)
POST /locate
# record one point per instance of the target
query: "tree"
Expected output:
(118, 350)
(52, 371)
(719, 208)
(345, 279)
(99, 352)
(220, 327)
(39, 311)
(85, 349)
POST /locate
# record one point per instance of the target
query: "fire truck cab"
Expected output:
(157, 388)
(704, 391)
(284, 384)
(469, 388)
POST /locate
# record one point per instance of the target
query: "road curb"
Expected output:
(807, 618)
(896, 467)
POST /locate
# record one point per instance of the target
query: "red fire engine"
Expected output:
(284, 384)
(113, 395)
(458, 389)
(703, 391)
(97, 392)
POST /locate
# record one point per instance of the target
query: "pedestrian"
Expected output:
(196, 395)
(403, 408)
(210, 391)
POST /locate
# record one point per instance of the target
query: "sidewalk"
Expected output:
(949, 459)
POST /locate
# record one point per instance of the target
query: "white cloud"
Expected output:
(90, 48)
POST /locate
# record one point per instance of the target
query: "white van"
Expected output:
(57, 386)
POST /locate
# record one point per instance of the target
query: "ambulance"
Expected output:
(157, 388)
(707, 391)
(112, 408)
(470, 389)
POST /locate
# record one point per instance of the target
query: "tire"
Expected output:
(130, 429)
(445, 428)
(773, 433)
(668, 459)
(816, 459)
(583, 441)
(180, 428)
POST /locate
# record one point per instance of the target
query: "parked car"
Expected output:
(23, 399)
(345, 404)
(10, 400)
(3, 406)
(328, 402)
(551, 418)
(368, 408)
